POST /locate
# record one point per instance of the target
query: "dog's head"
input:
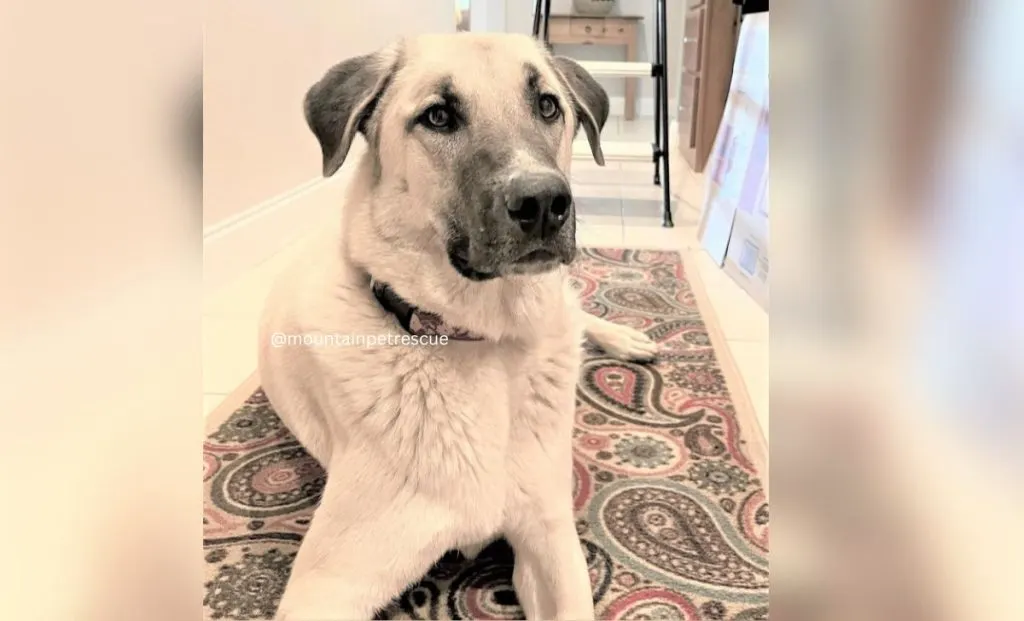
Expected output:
(470, 138)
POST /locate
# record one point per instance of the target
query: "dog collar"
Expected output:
(417, 321)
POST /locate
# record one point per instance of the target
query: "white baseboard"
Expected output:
(644, 106)
(240, 243)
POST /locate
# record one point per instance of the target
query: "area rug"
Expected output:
(669, 479)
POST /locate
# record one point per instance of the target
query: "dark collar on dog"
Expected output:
(414, 320)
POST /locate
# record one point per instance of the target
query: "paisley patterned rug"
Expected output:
(669, 474)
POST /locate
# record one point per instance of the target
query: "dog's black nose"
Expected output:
(540, 204)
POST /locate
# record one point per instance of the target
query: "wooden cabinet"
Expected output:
(709, 48)
(614, 30)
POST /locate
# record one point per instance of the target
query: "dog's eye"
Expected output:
(439, 117)
(548, 107)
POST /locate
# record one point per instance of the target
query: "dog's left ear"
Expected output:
(589, 99)
(339, 104)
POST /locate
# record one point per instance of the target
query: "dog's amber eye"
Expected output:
(548, 107)
(439, 117)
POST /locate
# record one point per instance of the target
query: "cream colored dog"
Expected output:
(459, 221)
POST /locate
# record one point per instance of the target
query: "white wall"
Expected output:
(519, 18)
(260, 56)
(487, 15)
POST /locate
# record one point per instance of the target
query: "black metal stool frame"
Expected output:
(659, 71)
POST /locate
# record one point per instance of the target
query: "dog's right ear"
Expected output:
(339, 104)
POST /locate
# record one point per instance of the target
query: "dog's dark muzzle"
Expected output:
(539, 204)
(522, 224)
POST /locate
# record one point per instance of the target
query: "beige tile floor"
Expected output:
(619, 208)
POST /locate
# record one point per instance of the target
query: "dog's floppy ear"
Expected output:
(589, 99)
(338, 105)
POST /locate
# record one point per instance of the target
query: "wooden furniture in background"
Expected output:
(709, 47)
(617, 30)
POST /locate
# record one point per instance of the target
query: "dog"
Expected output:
(458, 222)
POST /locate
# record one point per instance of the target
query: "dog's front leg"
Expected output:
(362, 549)
(550, 575)
(535, 600)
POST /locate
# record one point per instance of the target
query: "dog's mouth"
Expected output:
(532, 262)
(458, 256)
(538, 256)
(525, 261)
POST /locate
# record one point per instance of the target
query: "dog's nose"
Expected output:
(540, 204)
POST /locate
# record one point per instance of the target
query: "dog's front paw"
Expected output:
(628, 344)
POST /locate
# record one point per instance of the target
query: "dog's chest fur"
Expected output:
(444, 423)
(449, 424)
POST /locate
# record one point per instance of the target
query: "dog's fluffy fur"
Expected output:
(433, 448)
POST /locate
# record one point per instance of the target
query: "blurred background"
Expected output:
(896, 358)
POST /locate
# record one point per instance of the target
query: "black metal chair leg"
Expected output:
(536, 19)
(658, 42)
(657, 131)
(547, 16)
(666, 185)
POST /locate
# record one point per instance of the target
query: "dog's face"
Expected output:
(471, 139)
